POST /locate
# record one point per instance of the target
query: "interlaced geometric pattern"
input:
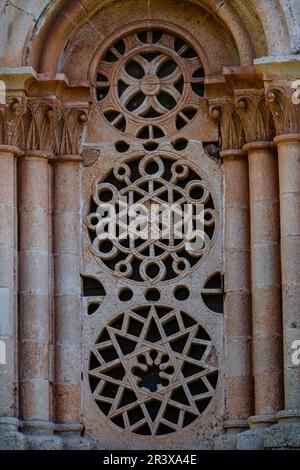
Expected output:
(152, 179)
(153, 370)
(149, 180)
(149, 84)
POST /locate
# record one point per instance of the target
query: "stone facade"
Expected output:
(147, 343)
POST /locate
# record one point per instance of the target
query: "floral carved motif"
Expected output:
(149, 84)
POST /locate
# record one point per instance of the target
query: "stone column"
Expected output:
(286, 115)
(34, 301)
(265, 263)
(238, 373)
(67, 283)
(10, 438)
(67, 259)
(237, 289)
(289, 178)
(266, 282)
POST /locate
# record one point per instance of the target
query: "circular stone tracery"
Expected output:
(151, 180)
(149, 83)
(153, 370)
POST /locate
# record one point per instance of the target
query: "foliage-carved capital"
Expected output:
(284, 102)
(232, 134)
(72, 126)
(12, 125)
(255, 115)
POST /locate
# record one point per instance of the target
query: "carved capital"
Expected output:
(255, 115)
(46, 125)
(73, 122)
(232, 134)
(41, 123)
(12, 128)
(282, 100)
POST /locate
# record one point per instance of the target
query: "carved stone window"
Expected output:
(153, 370)
(150, 179)
(149, 83)
(153, 342)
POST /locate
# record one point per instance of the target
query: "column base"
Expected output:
(261, 421)
(10, 437)
(39, 436)
(253, 439)
(289, 416)
(285, 434)
(235, 426)
(70, 435)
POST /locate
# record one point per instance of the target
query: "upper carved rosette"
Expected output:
(149, 83)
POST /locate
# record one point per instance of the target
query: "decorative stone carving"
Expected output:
(285, 113)
(152, 179)
(41, 123)
(255, 115)
(149, 83)
(12, 124)
(153, 370)
(232, 132)
(72, 124)
(46, 125)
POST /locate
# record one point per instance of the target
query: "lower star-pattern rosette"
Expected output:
(153, 370)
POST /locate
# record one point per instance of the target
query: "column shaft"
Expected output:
(289, 180)
(237, 288)
(266, 281)
(8, 300)
(66, 199)
(34, 287)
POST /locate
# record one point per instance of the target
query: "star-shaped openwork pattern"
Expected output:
(153, 370)
(168, 183)
(149, 83)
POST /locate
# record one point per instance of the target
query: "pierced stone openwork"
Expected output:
(153, 370)
(149, 180)
(149, 83)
